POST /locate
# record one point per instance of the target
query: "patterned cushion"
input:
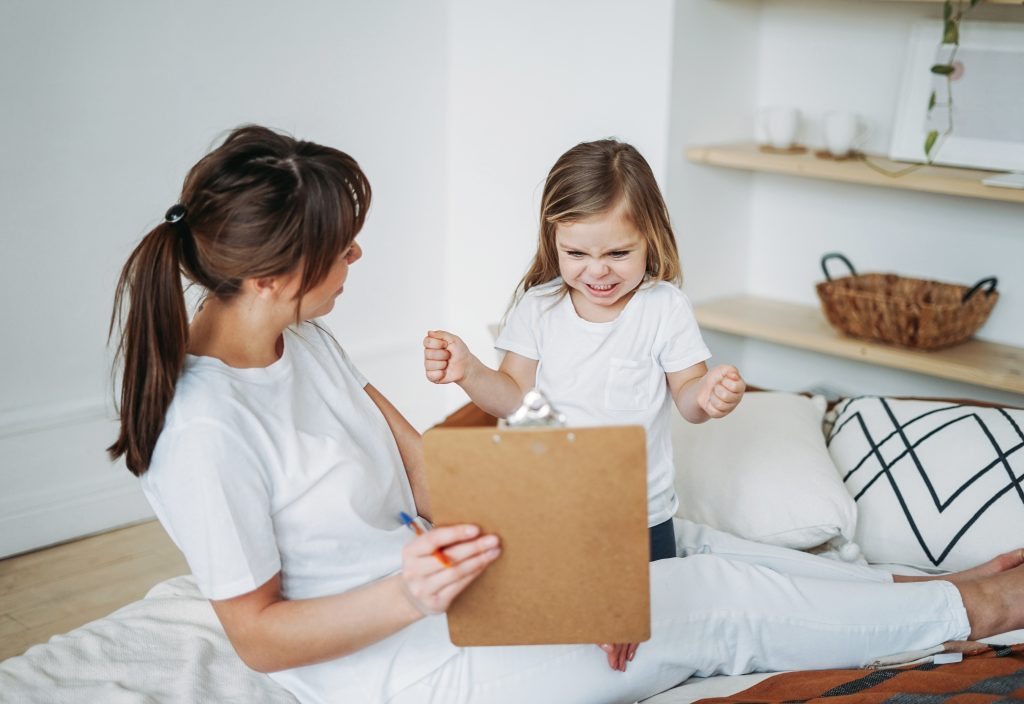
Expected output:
(937, 484)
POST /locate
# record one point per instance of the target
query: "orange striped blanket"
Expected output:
(991, 674)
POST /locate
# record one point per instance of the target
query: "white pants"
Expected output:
(730, 607)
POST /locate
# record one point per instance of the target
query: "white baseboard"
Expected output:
(59, 517)
(59, 483)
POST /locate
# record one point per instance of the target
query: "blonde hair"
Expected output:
(593, 178)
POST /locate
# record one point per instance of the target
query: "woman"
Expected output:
(281, 473)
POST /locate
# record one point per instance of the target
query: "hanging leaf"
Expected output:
(951, 35)
(947, 9)
(931, 101)
(942, 69)
(929, 142)
(974, 2)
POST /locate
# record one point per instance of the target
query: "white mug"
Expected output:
(844, 132)
(779, 126)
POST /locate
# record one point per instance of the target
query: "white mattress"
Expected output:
(702, 687)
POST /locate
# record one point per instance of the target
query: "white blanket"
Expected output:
(168, 647)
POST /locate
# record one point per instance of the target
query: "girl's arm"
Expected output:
(498, 392)
(410, 447)
(271, 633)
(700, 394)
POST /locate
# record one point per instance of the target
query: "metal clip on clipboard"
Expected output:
(535, 411)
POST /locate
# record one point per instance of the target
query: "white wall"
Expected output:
(529, 80)
(455, 109)
(713, 81)
(106, 105)
(843, 54)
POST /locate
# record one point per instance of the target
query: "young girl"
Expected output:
(281, 473)
(599, 324)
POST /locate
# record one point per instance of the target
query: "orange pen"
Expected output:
(415, 527)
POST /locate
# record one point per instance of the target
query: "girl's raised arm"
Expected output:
(700, 394)
(447, 359)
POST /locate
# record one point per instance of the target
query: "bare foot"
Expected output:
(994, 603)
(997, 565)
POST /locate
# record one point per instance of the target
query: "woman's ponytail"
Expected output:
(153, 340)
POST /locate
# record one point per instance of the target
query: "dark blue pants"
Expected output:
(663, 541)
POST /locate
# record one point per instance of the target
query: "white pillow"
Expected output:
(763, 473)
(950, 501)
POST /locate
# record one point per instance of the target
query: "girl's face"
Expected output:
(602, 260)
(319, 300)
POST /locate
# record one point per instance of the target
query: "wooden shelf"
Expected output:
(974, 362)
(931, 179)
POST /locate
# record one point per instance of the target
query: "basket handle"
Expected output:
(844, 260)
(991, 281)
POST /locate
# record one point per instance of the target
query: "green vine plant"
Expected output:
(953, 12)
(950, 38)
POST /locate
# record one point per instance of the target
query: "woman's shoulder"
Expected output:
(202, 438)
(209, 390)
(317, 327)
(315, 333)
(204, 395)
(317, 336)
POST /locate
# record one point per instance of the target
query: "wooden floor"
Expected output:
(51, 591)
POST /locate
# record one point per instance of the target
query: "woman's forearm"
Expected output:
(271, 633)
(283, 634)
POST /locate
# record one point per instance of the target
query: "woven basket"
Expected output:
(916, 313)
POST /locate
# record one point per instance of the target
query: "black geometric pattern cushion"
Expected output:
(937, 484)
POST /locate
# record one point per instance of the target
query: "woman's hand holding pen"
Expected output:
(431, 586)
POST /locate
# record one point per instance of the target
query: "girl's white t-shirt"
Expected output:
(612, 373)
(292, 468)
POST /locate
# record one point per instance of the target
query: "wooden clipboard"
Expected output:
(570, 506)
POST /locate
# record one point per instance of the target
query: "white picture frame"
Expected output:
(988, 98)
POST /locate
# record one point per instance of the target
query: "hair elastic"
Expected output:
(175, 214)
(175, 217)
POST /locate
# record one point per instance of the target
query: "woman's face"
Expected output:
(319, 300)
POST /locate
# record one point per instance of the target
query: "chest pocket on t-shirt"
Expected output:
(628, 387)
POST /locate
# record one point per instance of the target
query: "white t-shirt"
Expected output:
(292, 468)
(613, 373)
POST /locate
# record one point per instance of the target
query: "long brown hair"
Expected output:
(260, 204)
(591, 179)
